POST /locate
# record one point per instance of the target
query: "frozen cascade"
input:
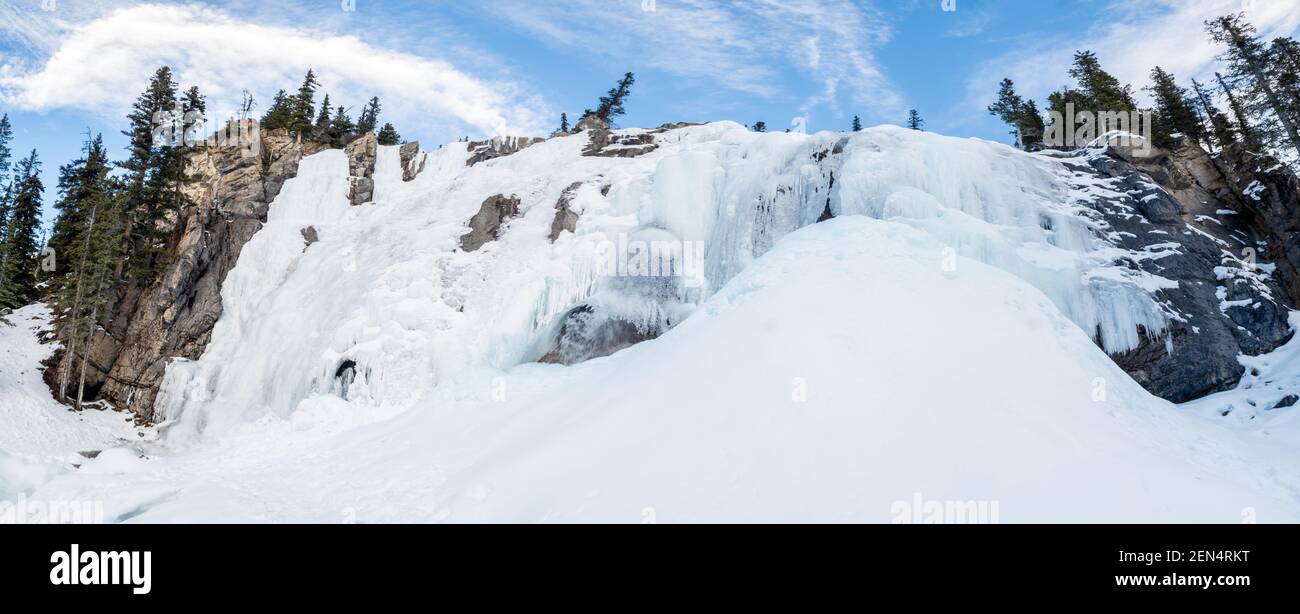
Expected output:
(387, 288)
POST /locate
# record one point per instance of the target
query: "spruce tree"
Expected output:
(277, 116)
(1250, 64)
(22, 242)
(84, 180)
(194, 107)
(1023, 117)
(857, 124)
(388, 135)
(341, 125)
(84, 239)
(322, 125)
(369, 116)
(1174, 112)
(611, 104)
(303, 105)
(564, 123)
(1221, 127)
(1249, 134)
(153, 174)
(1099, 90)
(1285, 62)
(914, 120)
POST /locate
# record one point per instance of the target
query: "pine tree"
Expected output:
(278, 116)
(341, 125)
(7, 297)
(1250, 64)
(1221, 127)
(22, 234)
(84, 180)
(564, 123)
(194, 106)
(153, 173)
(1173, 112)
(1249, 134)
(303, 105)
(1285, 62)
(760, 126)
(1100, 90)
(1023, 117)
(84, 240)
(322, 125)
(369, 116)
(914, 120)
(611, 104)
(857, 124)
(388, 135)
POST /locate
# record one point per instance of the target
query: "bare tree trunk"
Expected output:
(90, 332)
(76, 310)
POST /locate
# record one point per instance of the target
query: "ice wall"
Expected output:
(387, 293)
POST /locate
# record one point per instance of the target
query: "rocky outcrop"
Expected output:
(1177, 214)
(485, 226)
(565, 217)
(361, 166)
(150, 322)
(497, 147)
(1269, 193)
(586, 334)
(411, 168)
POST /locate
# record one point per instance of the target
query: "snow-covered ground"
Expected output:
(926, 346)
(39, 438)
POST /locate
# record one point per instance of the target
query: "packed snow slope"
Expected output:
(926, 345)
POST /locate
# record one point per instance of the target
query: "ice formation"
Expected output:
(387, 291)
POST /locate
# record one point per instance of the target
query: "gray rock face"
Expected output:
(1269, 193)
(1178, 204)
(411, 168)
(152, 321)
(585, 335)
(590, 122)
(485, 226)
(565, 218)
(482, 151)
(361, 165)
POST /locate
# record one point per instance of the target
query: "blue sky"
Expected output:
(447, 69)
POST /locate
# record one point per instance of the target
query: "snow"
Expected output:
(40, 438)
(930, 340)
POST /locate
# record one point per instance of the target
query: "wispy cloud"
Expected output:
(1130, 37)
(750, 47)
(101, 62)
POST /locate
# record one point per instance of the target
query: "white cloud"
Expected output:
(1130, 37)
(102, 63)
(750, 47)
